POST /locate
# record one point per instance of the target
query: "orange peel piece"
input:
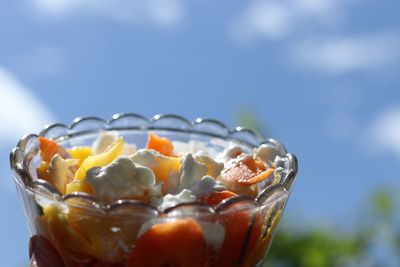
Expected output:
(258, 178)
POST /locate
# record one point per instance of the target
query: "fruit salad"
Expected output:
(174, 180)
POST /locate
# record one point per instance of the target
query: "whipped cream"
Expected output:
(191, 172)
(230, 153)
(214, 168)
(169, 200)
(148, 157)
(205, 186)
(193, 146)
(121, 178)
(265, 152)
(154, 160)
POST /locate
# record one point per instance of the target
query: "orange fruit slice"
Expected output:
(178, 243)
(160, 144)
(48, 148)
(214, 198)
(247, 171)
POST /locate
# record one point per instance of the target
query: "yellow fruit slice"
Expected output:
(81, 153)
(43, 171)
(78, 186)
(100, 160)
(54, 226)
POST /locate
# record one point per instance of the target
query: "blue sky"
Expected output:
(321, 75)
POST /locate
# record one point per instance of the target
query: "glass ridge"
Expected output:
(21, 156)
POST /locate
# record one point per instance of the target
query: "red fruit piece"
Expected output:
(43, 254)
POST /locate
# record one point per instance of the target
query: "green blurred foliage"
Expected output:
(316, 246)
(312, 248)
(372, 240)
(245, 118)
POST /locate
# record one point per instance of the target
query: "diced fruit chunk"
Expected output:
(43, 171)
(244, 173)
(160, 144)
(242, 232)
(217, 197)
(48, 148)
(80, 153)
(166, 169)
(109, 237)
(78, 186)
(54, 225)
(247, 171)
(178, 243)
(100, 160)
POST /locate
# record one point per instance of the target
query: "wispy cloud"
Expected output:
(20, 111)
(384, 132)
(161, 12)
(347, 54)
(278, 19)
(302, 28)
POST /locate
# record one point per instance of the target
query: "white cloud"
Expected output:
(302, 26)
(20, 111)
(277, 19)
(346, 54)
(384, 133)
(162, 12)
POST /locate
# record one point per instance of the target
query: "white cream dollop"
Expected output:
(205, 186)
(121, 178)
(191, 172)
(266, 153)
(170, 200)
(231, 152)
(214, 168)
(148, 157)
(193, 146)
(154, 160)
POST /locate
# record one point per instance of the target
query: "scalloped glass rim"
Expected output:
(132, 121)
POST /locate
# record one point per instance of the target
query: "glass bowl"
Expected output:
(79, 230)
